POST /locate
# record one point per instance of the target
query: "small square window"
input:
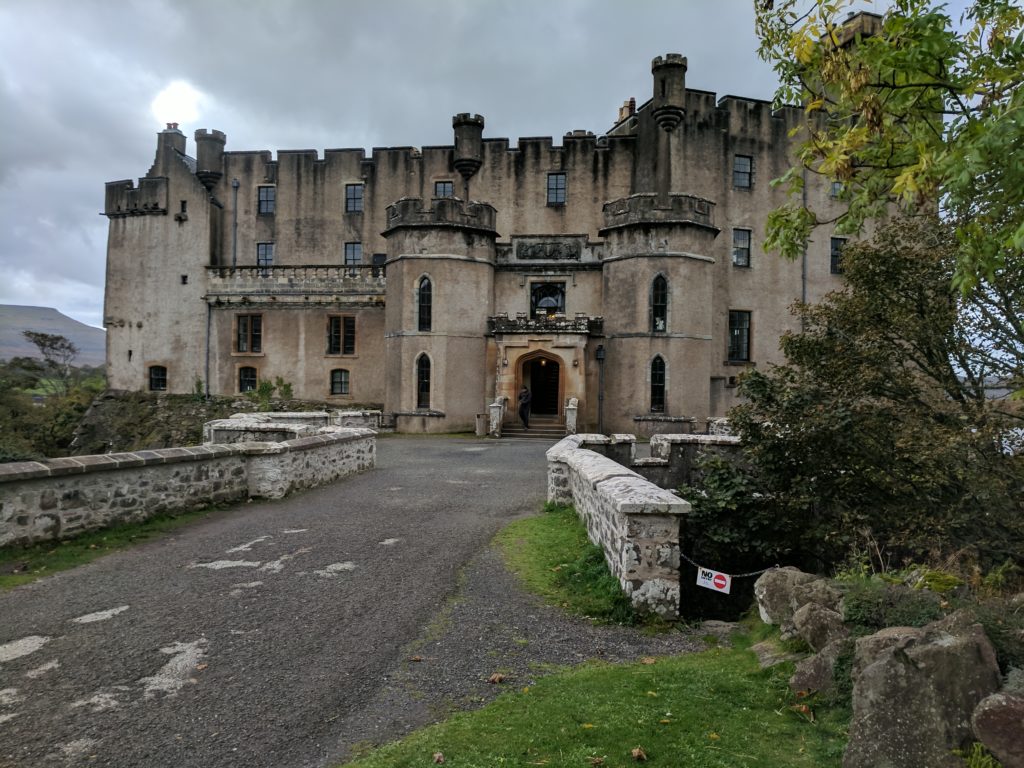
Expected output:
(836, 255)
(353, 198)
(837, 189)
(742, 171)
(556, 189)
(741, 247)
(157, 378)
(444, 189)
(267, 199)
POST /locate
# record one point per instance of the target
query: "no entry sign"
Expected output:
(719, 582)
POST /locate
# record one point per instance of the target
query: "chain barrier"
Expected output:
(733, 575)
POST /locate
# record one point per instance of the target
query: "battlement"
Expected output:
(466, 118)
(445, 212)
(668, 60)
(123, 198)
(649, 208)
(214, 134)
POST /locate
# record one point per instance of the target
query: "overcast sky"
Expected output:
(86, 85)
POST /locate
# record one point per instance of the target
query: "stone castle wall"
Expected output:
(57, 498)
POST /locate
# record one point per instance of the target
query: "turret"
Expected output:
(168, 142)
(209, 156)
(469, 133)
(669, 101)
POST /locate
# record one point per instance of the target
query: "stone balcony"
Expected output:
(299, 284)
(522, 323)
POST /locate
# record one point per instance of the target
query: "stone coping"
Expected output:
(697, 439)
(76, 465)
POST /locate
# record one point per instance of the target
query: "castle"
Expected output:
(623, 270)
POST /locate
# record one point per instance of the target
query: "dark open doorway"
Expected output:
(542, 377)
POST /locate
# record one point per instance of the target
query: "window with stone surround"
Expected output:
(444, 189)
(247, 379)
(741, 247)
(353, 198)
(657, 385)
(835, 260)
(547, 299)
(556, 189)
(742, 171)
(265, 257)
(249, 334)
(425, 302)
(423, 381)
(341, 335)
(266, 200)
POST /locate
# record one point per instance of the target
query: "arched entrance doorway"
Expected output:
(542, 374)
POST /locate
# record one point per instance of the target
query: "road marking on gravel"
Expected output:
(334, 569)
(173, 675)
(101, 701)
(23, 647)
(389, 542)
(42, 670)
(239, 589)
(218, 565)
(9, 697)
(247, 546)
(89, 618)
(276, 566)
(295, 530)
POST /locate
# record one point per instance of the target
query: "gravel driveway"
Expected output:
(279, 633)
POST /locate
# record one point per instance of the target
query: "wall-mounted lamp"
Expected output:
(543, 362)
(504, 362)
(575, 363)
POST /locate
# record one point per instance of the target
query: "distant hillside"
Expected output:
(14, 319)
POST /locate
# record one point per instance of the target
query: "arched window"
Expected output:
(423, 382)
(425, 297)
(659, 305)
(339, 382)
(657, 385)
(246, 379)
(157, 378)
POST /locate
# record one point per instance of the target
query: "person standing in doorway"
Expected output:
(524, 407)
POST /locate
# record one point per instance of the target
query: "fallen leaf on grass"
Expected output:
(416, 658)
(648, 660)
(714, 736)
(587, 725)
(639, 755)
(597, 760)
(438, 757)
(653, 694)
(803, 709)
(496, 678)
(665, 721)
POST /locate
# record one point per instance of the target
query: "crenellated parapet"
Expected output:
(123, 198)
(648, 208)
(445, 213)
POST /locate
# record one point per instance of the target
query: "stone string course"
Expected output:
(59, 498)
(635, 522)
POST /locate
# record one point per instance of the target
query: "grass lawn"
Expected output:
(20, 565)
(712, 709)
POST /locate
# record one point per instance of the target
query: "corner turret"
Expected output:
(210, 156)
(669, 101)
(469, 133)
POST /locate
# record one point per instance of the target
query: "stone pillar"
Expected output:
(497, 414)
(570, 416)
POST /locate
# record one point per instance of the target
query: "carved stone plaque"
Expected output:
(549, 250)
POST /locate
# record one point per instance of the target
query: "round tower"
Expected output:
(669, 101)
(210, 156)
(469, 133)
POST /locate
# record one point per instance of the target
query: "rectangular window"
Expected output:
(246, 379)
(739, 336)
(742, 171)
(250, 333)
(835, 261)
(339, 382)
(556, 189)
(547, 299)
(353, 255)
(157, 378)
(837, 188)
(341, 335)
(741, 247)
(265, 257)
(444, 189)
(267, 199)
(353, 198)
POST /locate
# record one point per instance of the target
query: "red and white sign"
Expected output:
(719, 582)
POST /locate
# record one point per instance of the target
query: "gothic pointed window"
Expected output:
(425, 297)
(659, 305)
(657, 385)
(423, 382)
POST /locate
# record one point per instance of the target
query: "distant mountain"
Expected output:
(14, 319)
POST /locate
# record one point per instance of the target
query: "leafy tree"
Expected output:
(58, 352)
(913, 113)
(883, 424)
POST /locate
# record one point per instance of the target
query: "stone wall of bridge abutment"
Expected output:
(60, 498)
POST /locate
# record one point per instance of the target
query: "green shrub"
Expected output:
(871, 604)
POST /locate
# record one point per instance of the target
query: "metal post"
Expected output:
(234, 224)
(599, 354)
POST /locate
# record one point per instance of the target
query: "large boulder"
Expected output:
(998, 723)
(914, 692)
(818, 625)
(818, 672)
(781, 591)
